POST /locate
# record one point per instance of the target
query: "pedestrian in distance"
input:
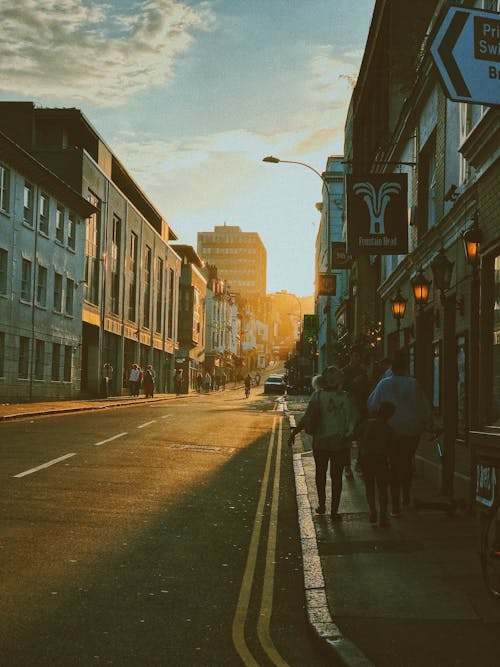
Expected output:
(207, 381)
(107, 378)
(223, 380)
(149, 381)
(412, 416)
(199, 382)
(133, 380)
(330, 418)
(257, 379)
(356, 385)
(178, 381)
(375, 439)
(248, 384)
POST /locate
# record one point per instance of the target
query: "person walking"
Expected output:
(199, 382)
(133, 380)
(107, 378)
(248, 384)
(375, 438)
(207, 382)
(330, 417)
(178, 379)
(149, 381)
(356, 385)
(412, 416)
(223, 380)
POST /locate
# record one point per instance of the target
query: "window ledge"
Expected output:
(477, 147)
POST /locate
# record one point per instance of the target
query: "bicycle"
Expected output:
(490, 527)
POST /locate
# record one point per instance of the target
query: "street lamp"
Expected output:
(442, 269)
(276, 160)
(420, 285)
(471, 239)
(398, 305)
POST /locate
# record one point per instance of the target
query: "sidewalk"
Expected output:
(23, 410)
(405, 596)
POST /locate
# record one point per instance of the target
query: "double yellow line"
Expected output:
(266, 605)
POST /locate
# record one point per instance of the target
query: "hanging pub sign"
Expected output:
(327, 284)
(377, 214)
(340, 258)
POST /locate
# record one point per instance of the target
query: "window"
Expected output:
(159, 294)
(147, 286)
(41, 286)
(60, 224)
(92, 252)
(68, 360)
(58, 292)
(2, 354)
(28, 204)
(23, 362)
(132, 295)
(115, 263)
(43, 224)
(26, 280)
(39, 359)
(4, 188)
(465, 111)
(56, 362)
(4, 257)
(427, 187)
(71, 231)
(70, 296)
(171, 294)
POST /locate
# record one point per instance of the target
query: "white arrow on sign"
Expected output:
(466, 50)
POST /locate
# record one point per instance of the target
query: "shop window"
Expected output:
(56, 362)
(495, 402)
(39, 359)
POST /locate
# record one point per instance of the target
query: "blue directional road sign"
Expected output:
(466, 50)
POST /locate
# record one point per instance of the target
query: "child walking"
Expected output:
(375, 438)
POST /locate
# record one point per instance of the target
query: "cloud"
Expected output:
(96, 53)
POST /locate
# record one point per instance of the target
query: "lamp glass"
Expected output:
(442, 269)
(398, 306)
(471, 239)
(420, 286)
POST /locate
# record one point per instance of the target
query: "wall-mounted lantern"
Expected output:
(398, 305)
(442, 269)
(471, 239)
(420, 285)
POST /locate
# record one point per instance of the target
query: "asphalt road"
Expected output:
(163, 534)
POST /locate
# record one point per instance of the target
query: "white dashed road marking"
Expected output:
(147, 424)
(113, 437)
(45, 465)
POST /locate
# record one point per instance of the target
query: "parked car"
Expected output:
(274, 384)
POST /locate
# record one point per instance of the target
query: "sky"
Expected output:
(190, 96)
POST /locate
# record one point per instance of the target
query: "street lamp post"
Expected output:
(275, 160)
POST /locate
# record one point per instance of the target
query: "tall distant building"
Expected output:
(240, 257)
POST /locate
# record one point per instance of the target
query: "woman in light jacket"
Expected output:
(331, 417)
